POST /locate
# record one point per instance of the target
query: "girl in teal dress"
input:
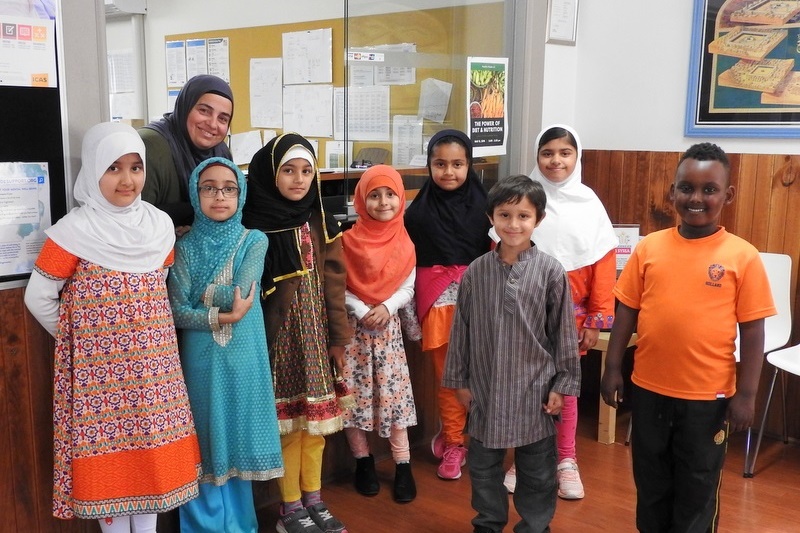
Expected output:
(217, 273)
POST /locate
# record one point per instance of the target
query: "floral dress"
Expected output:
(308, 395)
(377, 373)
(124, 439)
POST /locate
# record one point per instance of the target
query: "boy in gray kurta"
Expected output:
(513, 356)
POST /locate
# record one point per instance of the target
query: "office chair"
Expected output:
(777, 330)
(371, 156)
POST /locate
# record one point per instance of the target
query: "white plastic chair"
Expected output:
(777, 330)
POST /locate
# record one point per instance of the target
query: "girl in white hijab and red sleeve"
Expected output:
(576, 230)
(124, 442)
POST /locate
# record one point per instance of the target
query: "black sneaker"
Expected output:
(297, 522)
(324, 519)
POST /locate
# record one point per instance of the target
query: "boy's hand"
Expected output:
(376, 318)
(337, 354)
(611, 387)
(741, 411)
(587, 338)
(464, 397)
(555, 401)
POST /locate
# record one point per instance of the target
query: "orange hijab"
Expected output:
(379, 256)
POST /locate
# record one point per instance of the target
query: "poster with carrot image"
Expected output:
(487, 79)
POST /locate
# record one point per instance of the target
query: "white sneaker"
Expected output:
(569, 480)
(510, 480)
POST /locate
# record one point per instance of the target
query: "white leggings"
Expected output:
(138, 523)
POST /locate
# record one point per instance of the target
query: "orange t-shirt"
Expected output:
(691, 293)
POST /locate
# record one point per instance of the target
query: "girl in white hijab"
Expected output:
(124, 441)
(576, 230)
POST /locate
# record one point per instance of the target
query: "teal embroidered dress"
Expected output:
(226, 367)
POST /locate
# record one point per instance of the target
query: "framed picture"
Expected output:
(562, 21)
(744, 69)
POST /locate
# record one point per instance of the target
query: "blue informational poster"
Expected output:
(24, 215)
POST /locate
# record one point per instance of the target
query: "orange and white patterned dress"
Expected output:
(124, 439)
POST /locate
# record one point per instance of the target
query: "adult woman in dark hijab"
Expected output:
(178, 142)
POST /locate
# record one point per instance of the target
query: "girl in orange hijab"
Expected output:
(380, 261)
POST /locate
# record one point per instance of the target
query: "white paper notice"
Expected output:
(395, 71)
(124, 105)
(361, 75)
(337, 154)
(628, 236)
(176, 63)
(28, 57)
(268, 135)
(562, 20)
(245, 145)
(172, 96)
(307, 110)
(307, 57)
(406, 138)
(219, 61)
(392, 63)
(367, 113)
(434, 98)
(121, 71)
(24, 215)
(420, 160)
(266, 93)
(196, 57)
(315, 145)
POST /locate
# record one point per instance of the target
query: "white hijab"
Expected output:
(136, 238)
(576, 229)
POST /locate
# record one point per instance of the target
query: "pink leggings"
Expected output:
(398, 440)
(567, 428)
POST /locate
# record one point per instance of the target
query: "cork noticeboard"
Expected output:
(443, 37)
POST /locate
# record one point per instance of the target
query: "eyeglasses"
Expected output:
(207, 191)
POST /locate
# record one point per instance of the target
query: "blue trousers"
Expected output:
(534, 497)
(228, 508)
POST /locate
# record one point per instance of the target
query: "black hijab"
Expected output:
(266, 209)
(172, 127)
(449, 227)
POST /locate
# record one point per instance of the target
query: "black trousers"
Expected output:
(678, 448)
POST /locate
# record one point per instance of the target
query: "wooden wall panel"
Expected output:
(7, 507)
(26, 436)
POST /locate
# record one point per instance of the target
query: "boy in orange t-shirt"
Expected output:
(685, 290)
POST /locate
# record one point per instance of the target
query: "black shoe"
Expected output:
(366, 480)
(405, 489)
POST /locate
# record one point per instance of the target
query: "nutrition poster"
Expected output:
(487, 108)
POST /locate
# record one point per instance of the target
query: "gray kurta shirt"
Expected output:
(513, 340)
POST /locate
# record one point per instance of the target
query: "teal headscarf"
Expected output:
(209, 244)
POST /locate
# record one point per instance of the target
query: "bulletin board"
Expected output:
(444, 38)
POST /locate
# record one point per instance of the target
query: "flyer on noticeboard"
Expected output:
(24, 215)
(27, 40)
(487, 108)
